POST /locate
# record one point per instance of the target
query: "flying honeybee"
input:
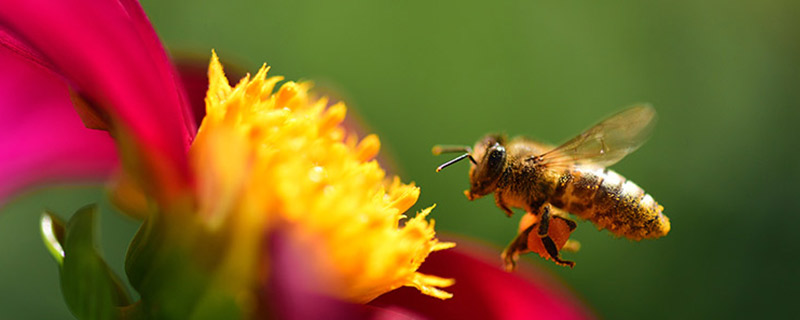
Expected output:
(544, 180)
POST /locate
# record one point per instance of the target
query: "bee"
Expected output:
(547, 182)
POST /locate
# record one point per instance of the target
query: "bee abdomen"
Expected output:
(610, 202)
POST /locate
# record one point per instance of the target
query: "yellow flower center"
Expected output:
(282, 161)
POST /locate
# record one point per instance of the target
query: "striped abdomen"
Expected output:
(610, 202)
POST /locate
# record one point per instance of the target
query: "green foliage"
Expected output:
(53, 230)
(168, 268)
(171, 283)
(90, 288)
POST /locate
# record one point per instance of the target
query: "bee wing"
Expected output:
(607, 142)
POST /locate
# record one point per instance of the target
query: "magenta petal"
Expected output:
(484, 291)
(166, 70)
(43, 140)
(108, 52)
(194, 77)
(14, 44)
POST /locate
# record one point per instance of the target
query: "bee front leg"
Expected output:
(549, 244)
(498, 200)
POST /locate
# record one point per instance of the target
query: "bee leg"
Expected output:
(498, 200)
(571, 223)
(549, 245)
(518, 245)
(570, 245)
(544, 221)
(553, 252)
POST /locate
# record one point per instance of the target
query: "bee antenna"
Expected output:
(457, 159)
(439, 149)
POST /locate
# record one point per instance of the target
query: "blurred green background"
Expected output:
(724, 159)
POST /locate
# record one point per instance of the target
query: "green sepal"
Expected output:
(172, 263)
(52, 229)
(90, 288)
(142, 252)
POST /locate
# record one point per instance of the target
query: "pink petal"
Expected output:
(110, 54)
(484, 291)
(43, 140)
(194, 77)
(166, 70)
(15, 44)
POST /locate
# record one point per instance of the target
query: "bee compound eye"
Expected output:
(497, 155)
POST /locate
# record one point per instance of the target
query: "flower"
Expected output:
(269, 189)
(282, 161)
(484, 291)
(104, 52)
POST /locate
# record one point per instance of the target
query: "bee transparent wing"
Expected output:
(607, 142)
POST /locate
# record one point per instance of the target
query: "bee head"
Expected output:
(485, 174)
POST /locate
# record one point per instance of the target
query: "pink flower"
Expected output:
(107, 53)
(484, 291)
(69, 65)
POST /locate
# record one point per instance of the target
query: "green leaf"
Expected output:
(91, 290)
(53, 230)
(142, 251)
(173, 264)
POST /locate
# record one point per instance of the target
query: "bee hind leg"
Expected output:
(553, 252)
(549, 244)
(515, 248)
